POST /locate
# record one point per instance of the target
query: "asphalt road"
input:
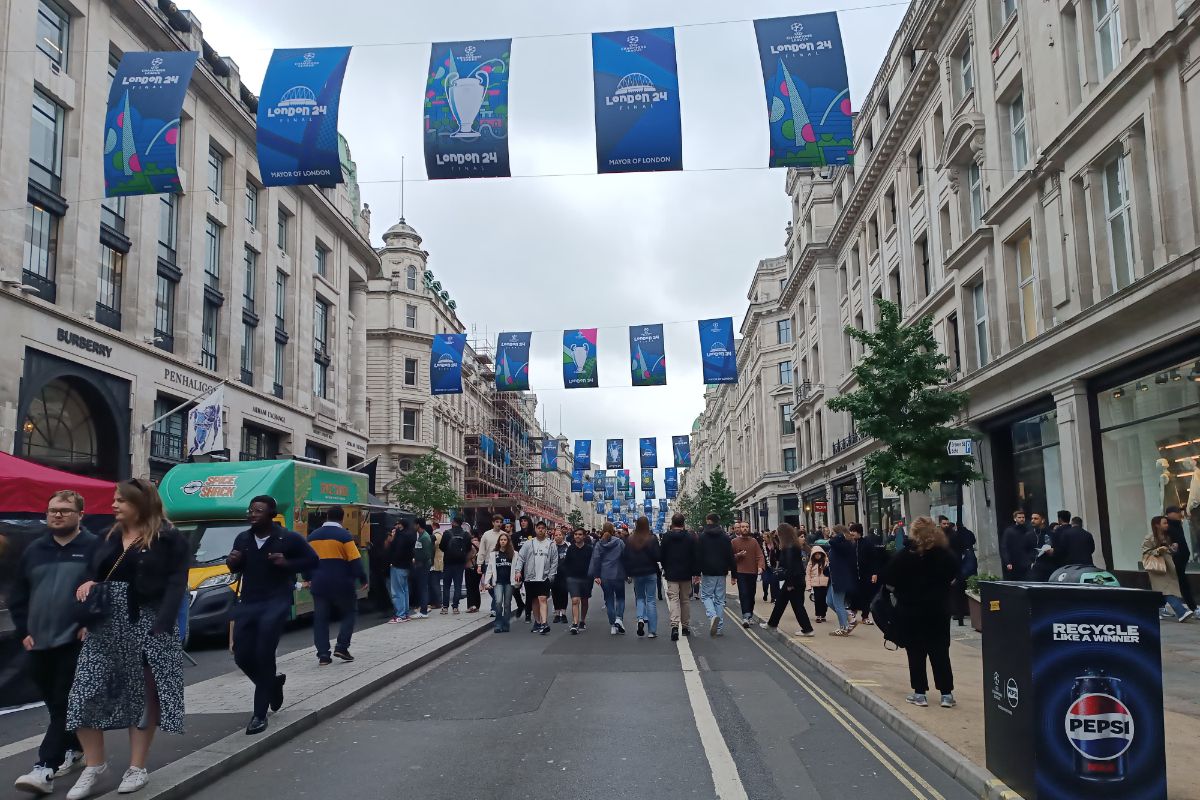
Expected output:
(599, 716)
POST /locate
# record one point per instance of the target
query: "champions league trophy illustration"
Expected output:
(465, 94)
(614, 452)
(579, 352)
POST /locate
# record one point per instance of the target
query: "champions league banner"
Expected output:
(718, 353)
(600, 477)
(588, 494)
(662, 506)
(671, 481)
(615, 450)
(579, 359)
(549, 455)
(649, 490)
(141, 126)
(636, 84)
(623, 481)
(445, 365)
(648, 447)
(647, 479)
(297, 131)
(808, 93)
(647, 355)
(610, 490)
(577, 480)
(512, 362)
(682, 447)
(648, 506)
(583, 454)
(600, 507)
(466, 110)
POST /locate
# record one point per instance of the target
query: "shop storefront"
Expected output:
(1026, 463)
(789, 509)
(883, 510)
(845, 501)
(816, 508)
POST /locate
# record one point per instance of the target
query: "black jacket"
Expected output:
(921, 583)
(1077, 546)
(42, 598)
(791, 560)
(714, 552)
(1175, 531)
(262, 580)
(1018, 545)
(843, 564)
(455, 534)
(403, 548)
(641, 562)
(161, 578)
(576, 561)
(678, 555)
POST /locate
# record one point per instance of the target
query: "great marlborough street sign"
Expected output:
(960, 447)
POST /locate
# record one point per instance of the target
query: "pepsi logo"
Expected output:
(1099, 727)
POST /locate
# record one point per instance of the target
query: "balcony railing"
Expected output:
(166, 446)
(849, 441)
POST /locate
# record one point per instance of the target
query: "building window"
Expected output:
(889, 206)
(208, 335)
(924, 266)
(872, 235)
(979, 304)
(280, 367)
(410, 316)
(164, 313)
(783, 328)
(785, 373)
(897, 292)
(321, 348)
(1107, 14)
(168, 227)
(412, 279)
(108, 295)
(410, 372)
(789, 459)
(281, 282)
(408, 430)
(952, 343)
(53, 32)
(1016, 126)
(247, 354)
(46, 143)
(787, 425)
(249, 286)
(321, 258)
(1026, 287)
(918, 161)
(1007, 9)
(975, 187)
(258, 444)
(112, 214)
(167, 438)
(966, 72)
(316, 453)
(41, 252)
(216, 172)
(251, 203)
(281, 229)
(212, 254)
(1117, 212)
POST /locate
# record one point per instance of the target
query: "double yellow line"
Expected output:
(904, 773)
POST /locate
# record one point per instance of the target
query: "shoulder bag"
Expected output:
(1154, 563)
(96, 605)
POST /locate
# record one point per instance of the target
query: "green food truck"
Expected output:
(208, 503)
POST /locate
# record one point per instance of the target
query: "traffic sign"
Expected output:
(960, 447)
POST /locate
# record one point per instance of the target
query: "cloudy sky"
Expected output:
(543, 253)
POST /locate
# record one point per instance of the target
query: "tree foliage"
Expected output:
(902, 401)
(719, 499)
(575, 518)
(689, 505)
(426, 488)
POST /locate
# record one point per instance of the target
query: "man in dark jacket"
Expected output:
(573, 566)
(1077, 544)
(1180, 553)
(43, 608)
(714, 558)
(401, 549)
(267, 556)
(455, 546)
(334, 585)
(679, 568)
(1018, 544)
(1047, 558)
(961, 540)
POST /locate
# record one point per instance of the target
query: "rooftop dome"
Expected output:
(401, 228)
(696, 425)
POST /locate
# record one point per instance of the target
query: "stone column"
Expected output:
(1078, 459)
(357, 348)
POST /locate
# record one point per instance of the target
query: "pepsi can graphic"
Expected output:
(1099, 727)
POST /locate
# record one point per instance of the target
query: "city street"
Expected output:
(602, 716)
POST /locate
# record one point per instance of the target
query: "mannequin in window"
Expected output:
(1192, 506)
(1170, 491)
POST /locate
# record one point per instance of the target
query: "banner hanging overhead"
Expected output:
(549, 455)
(512, 362)
(647, 479)
(583, 454)
(662, 506)
(297, 131)
(466, 110)
(636, 83)
(647, 355)
(648, 448)
(577, 480)
(589, 493)
(579, 359)
(682, 447)
(445, 365)
(623, 482)
(808, 93)
(671, 478)
(610, 490)
(600, 507)
(718, 354)
(615, 454)
(649, 490)
(648, 506)
(141, 126)
(599, 477)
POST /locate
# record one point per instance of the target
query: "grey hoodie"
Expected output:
(606, 560)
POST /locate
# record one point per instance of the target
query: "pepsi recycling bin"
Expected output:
(1073, 703)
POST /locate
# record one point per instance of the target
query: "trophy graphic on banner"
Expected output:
(465, 94)
(579, 352)
(614, 452)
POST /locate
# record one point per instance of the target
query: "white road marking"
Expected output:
(16, 748)
(725, 778)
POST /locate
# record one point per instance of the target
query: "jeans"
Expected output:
(420, 584)
(257, 627)
(770, 585)
(1176, 604)
(435, 587)
(400, 591)
(795, 598)
(452, 575)
(679, 604)
(324, 609)
(645, 593)
(502, 597)
(53, 670)
(837, 601)
(614, 598)
(712, 594)
(747, 586)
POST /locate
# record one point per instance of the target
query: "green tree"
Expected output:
(720, 498)
(575, 518)
(426, 488)
(689, 505)
(902, 401)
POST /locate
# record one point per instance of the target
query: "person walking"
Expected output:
(1180, 553)
(641, 557)
(608, 571)
(843, 576)
(714, 557)
(267, 557)
(454, 548)
(474, 598)
(1018, 546)
(867, 565)
(750, 563)
(791, 574)
(920, 578)
(558, 587)
(1160, 566)
(962, 543)
(401, 548)
(487, 542)
(334, 585)
(130, 669)
(817, 576)
(770, 582)
(497, 578)
(436, 568)
(525, 532)
(573, 566)
(536, 566)
(422, 562)
(43, 608)
(678, 556)
(1078, 545)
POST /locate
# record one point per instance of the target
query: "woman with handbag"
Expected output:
(1157, 561)
(130, 671)
(790, 575)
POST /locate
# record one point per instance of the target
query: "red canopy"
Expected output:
(26, 486)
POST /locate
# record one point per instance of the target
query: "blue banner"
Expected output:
(583, 454)
(648, 506)
(647, 355)
(808, 93)
(718, 354)
(549, 455)
(588, 493)
(662, 506)
(579, 359)
(512, 362)
(636, 85)
(649, 490)
(466, 110)
(623, 481)
(671, 478)
(576, 480)
(141, 126)
(616, 453)
(297, 131)
(600, 507)
(600, 477)
(648, 448)
(445, 364)
(682, 447)
(610, 490)
(647, 479)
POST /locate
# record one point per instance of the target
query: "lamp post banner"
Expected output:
(445, 364)
(718, 354)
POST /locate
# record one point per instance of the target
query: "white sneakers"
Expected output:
(72, 761)
(39, 781)
(87, 782)
(133, 779)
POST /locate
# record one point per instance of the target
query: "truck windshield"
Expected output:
(211, 542)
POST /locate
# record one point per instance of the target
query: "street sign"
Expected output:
(960, 447)
(820, 506)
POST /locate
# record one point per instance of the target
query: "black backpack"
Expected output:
(458, 546)
(883, 611)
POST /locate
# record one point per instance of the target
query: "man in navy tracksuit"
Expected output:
(334, 584)
(267, 556)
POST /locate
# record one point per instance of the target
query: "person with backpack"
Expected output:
(791, 574)
(455, 547)
(422, 562)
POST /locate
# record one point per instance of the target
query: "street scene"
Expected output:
(668, 400)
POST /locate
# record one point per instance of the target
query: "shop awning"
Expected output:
(25, 487)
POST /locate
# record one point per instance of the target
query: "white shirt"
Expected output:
(261, 541)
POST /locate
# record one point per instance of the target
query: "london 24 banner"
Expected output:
(141, 126)
(583, 454)
(549, 455)
(636, 84)
(599, 476)
(445, 365)
(647, 355)
(466, 110)
(671, 478)
(808, 93)
(297, 132)
(647, 479)
(682, 447)
(579, 359)
(589, 493)
(615, 450)
(512, 362)
(648, 448)
(718, 354)
(649, 490)
(576, 480)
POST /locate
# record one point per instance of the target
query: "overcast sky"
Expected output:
(547, 253)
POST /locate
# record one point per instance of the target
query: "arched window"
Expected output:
(59, 430)
(412, 278)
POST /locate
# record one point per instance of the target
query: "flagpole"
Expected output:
(183, 405)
